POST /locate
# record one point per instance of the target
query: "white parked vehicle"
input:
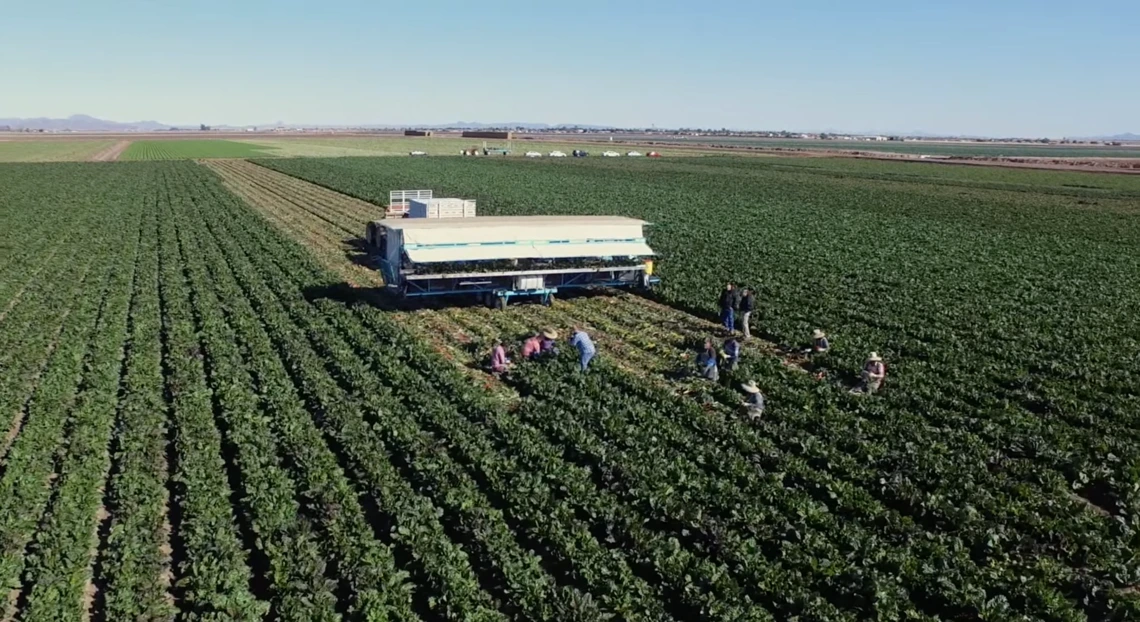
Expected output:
(533, 154)
(633, 154)
(557, 154)
(418, 153)
(610, 154)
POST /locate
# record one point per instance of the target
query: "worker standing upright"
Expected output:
(747, 304)
(729, 301)
(586, 350)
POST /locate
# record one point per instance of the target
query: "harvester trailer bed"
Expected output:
(404, 248)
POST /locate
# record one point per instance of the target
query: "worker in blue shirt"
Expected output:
(586, 351)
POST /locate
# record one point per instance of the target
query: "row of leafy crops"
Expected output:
(208, 426)
(183, 149)
(1007, 316)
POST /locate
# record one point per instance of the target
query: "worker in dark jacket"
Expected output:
(729, 302)
(731, 353)
(747, 304)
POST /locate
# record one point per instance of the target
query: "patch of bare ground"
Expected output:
(1089, 504)
(112, 153)
(647, 337)
(98, 537)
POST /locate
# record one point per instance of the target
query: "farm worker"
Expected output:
(586, 351)
(729, 301)
(499, 361)
(754, 403)
(873, 373)
(747, 304)
(532, 347)
(706, 362)
(731, 353)
(819, 344)
(547, 342)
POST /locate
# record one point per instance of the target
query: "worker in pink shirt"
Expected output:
(499, 361)
(532, 347)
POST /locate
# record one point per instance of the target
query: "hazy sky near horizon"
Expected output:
(988, 67)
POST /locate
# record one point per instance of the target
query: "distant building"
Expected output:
(482, 134)
(417, 132)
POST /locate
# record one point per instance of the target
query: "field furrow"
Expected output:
(216, 411)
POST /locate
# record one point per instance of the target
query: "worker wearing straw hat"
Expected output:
(754, 403)
(546, 344)
(874, 371)
(819, 343)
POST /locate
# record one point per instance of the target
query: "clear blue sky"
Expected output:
(990, 67)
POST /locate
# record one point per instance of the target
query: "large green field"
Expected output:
(50, 150)
(191, 150)
(208, 423)
(920, 147)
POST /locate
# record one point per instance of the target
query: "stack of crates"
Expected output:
(441, 208)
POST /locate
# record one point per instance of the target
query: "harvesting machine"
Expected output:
(440, 248)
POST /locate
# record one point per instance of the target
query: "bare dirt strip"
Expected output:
(651, 339)
(112, 153)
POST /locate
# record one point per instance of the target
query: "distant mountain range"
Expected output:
(86, 123)
(82, 123)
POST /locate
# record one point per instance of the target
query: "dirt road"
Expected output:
(112, 153)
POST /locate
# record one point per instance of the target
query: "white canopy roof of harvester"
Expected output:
(485, 238)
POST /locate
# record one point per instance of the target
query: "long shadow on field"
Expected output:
(359, 253)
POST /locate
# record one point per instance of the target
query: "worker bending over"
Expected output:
(586, 351)
(707, 363)
(731, 353)
(819, 344)
(547, 342)
(754, 403)
(532, 347)
(874, 371)
(499, 361)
